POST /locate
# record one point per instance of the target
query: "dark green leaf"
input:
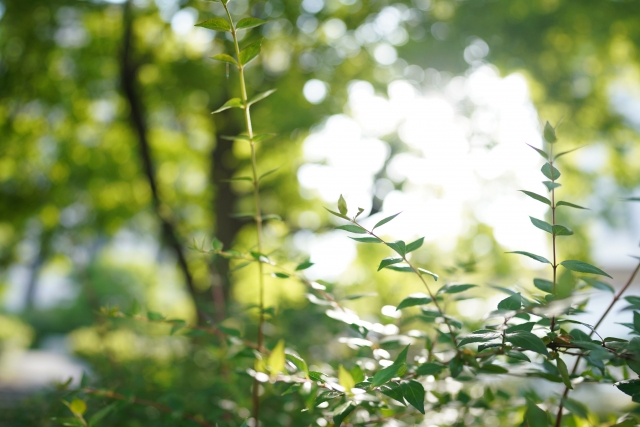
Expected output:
(342, 205)
(394, 391)
(564, 372)
(550, 172)
(216, 24)
(542, 225)
(401, 268)
(316, 376)
(415, 394)
(304, 265)
(250, 52)
(537, 197)
(535, 416)
(519, 356)
(527, 326)
(479, 336)
(571, 205)
(527, 341)
(415, 245)
(384, 221)
(514, 302)
(455, 366)
(232, 103)
(388, 261)
(541, 152)
(494, 369)
(582, 267)
(225, 58)
(551, 185)
(413, 300)
(98, 416)
(543, 285)
(260, 96)
(454, 289)
(247, 23)
(398, 246)
(561, 230)
(281, 275)
(530, 255)
(576, 408)
(385, 375)
(341, 412)
(352, 229)
(630, 387)
(549, 136)
(429, 369)
(598, 284)
(366, 239)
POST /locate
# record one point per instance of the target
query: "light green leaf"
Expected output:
(551, 185)
(216, 24)
(568, 151)
(345, 379)
(415, 245)
(514, 302)
(266, 174)
(78, 406)
(537, 197)
(388, 261)
(414, 393)
(263, 137)
(533, 256)
(260, 96)
(413, 300)
(250, 52)
(542, 225)
(247, 23)
(429, 273)
(564, 372)
(276, 360)
(527, 341)
(571, 205)
(352, 229)
(366, 239)
(582, 267)
(223, 57)
(216, 244)
(550, 172)
(385, 220)
(238, 179)
(549, 136)
(454, 289)
(342, 205)
(232, 103)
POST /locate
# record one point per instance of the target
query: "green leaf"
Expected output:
(216, 244)
(414, 393)
(238, 179)
(533, 256)
(549, 134)
(232, 103)
(263, 137)
(551, 185)
(428, 273)
(388, 261)
(250, 52)
(341, 412)
(564, 372)
(357, 374)
(542, 225)
(152, 315)
(571, 205)
(247, 23)
(304, 265)
(454, 289)
(535, 416)
(401, 268)
(429, 368)
(398, 246)
(69, 421)
(366, 239)
(541, 152)
(225, 58)
(630, 387)
(514, 302)
(260, 96)
(550, 172)
(394, 391)
(582, 267)
(527, 341)
(352, 229)
(543, 285)
(576, 408)
(537, 197)
(244, 423)
(561, 230)
(98, 416)
(342, 205)
(527, 326)
(384, 221)
(413, 300)
(598, 284)
(568, 151)
(266, 174)
(479, 336)
(415, 245)
(455, 366)
(298, 362)
(345, 379)
(385, 375)
(339, 215)
(216, 24)
(519, 356)
(276, 360)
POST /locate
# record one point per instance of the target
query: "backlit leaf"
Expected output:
(216, 24)
(276, 360)
(250, 22)
(345, 379)
(342, 205)
(232, 103)
(551, 185)
(413, 300)
(341, 412)
(414, 393)
(225, 58)
(549, 134)
(260, 96)
(250, 52)
(582, 267)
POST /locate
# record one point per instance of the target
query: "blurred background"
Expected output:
(111, 166)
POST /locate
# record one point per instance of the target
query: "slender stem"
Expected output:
(606, 312)
(553, 223)
(258, 213)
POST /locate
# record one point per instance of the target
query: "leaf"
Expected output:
(298, 362)
(427, 272)
(69, 421)
(543, 285)
(530, 255)
(98, 416)
(264, 175)
(352, 229)
(541, 152)
(414, 393)
(549, 134)
(385, 375)
(216, 24)
(514, 302)
(238, 179)
(564, 372)
(571, 205)
(429, 368)
(413, 300)
(250, 52)
(384, 221)
(276, 360)
(598, 284)
(232, 103)
(78, 406)
(250, 22)
(582, 267)
(455, 366)
(394, 391)
(304, 265)
(542, 225)
(398, 246)
(630, 387)
(341, 412)
(244, 423)
(535, 416)
(216, 244)
(366, 239)
(519, 356)
(388, 261)
(527, 326)
(345, 379)
(567, 152)
(551, 185)
(225, 58)
(454, 289)
(527, 341)
(401, 268)
(479, 336)
(561, 230)
(260, 96)
(576, 408)
(537, 197)
(342, 205)
(339, 215)
(263, 137)
(550, 171)
(152, 315)
(357, 374)
(415, 245)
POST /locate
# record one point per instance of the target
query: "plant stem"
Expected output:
(606, 312)
(258, 213)
(553, 223)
